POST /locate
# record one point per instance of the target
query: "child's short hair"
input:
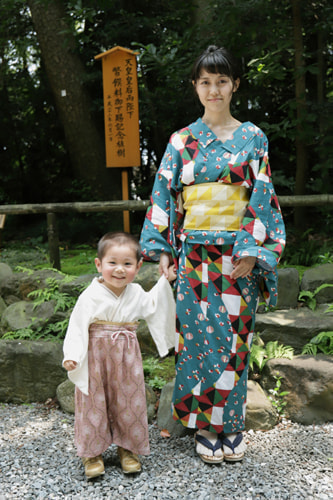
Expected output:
(120, 238)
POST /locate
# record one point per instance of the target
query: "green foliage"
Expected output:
(20, 334)
(276, 350)
(52, 332)
(35, 164)
(306, 250)
(321, 343)
(277, 396)
(257, 357)
(261, 353)
(29, 256)
(79, 260)
(75, 261)
(158, 372)
(156, 382)
(63, 301)
(326, 258)
(310, 297)
(22, 269)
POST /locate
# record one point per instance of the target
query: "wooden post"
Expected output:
(121, 114)
(124, 183)
(53, 238)
(2, 224)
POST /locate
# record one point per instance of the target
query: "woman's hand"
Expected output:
(70, 365)
(167, 267)
(243, 267)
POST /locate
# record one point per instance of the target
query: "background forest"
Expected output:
(52, 146)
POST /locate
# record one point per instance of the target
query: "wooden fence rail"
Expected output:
(119, 206)
(313, 200)
(89, 206)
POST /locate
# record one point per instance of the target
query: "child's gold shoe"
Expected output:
(93, 467)
(129, 461)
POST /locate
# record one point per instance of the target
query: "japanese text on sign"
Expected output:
(121, 111)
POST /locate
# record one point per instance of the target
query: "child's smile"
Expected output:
(118, 267)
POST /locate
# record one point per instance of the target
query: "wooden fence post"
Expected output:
(53, 238)
(2, 224)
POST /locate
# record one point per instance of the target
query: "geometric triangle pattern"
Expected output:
(211, 373)
(204, 264)
(215, 315)
(214, 206)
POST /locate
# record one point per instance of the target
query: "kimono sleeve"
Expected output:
(165, 213)
(159, 312)
(262, 232)
(75, 345)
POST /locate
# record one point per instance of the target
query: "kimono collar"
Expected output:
(205, 136)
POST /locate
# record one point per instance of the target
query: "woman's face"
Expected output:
(215, 91)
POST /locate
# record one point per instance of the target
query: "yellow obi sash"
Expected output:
(214, 206)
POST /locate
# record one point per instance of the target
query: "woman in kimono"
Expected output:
(214, 214)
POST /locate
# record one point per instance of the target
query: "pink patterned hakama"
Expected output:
(115, 410)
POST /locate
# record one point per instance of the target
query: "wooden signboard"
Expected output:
(121, 113)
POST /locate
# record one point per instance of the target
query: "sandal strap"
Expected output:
(208, 444)
(233, 444)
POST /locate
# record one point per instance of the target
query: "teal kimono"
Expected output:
(215, 314)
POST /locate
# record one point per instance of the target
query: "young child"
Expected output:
(103, 358)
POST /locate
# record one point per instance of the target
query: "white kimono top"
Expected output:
(99, 303)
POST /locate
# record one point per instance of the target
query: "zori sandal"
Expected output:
(209, 447)
(233, 447)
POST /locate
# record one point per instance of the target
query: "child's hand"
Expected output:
(172, 273)
(70, 365)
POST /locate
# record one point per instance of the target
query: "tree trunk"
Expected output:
(300, 142)
(66, 73)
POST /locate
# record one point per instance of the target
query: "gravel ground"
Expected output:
(38, 461)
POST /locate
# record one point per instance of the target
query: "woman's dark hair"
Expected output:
(110, 239)
(216, 60)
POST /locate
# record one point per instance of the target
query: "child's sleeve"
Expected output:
(75, 341)
(75, 345)
(159, 311)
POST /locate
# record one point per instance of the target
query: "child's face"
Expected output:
(118, 267)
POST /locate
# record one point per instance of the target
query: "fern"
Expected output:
(20, 334)
(50, 332)
(322, 342)
(58, 330)
(310, 297)
(21, 269)
(63, 301)
(261, 353)
(276, 350)
(310, 349)
(257, 357)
